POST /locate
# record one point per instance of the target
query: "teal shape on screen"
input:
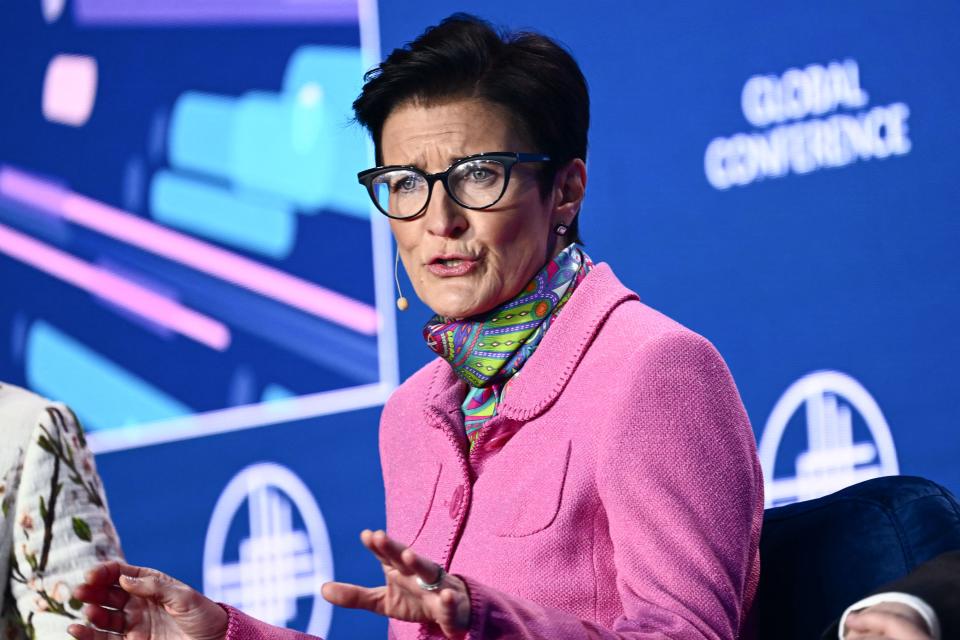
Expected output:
(274, 392)
(201, 131)
(102, 393)
(338, 73)
(259, 221)
(299, 144)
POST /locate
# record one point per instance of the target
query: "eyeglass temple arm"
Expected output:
(532, 157)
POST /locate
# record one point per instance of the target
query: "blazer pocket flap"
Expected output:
(527, 491)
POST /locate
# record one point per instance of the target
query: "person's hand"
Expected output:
(402, 597)
(135, 603)
(886, 621)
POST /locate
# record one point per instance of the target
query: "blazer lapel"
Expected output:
(548, 370)
(546, 373)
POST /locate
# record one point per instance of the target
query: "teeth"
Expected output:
(451, 263)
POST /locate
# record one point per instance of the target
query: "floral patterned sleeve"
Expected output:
(54, 503)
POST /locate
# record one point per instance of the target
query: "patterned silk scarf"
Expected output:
(487, 351)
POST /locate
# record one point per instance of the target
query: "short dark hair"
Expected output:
(531, 76)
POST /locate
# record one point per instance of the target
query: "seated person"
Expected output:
(925, 605)
(594, 469)
(54, 524)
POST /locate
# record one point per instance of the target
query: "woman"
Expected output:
(574, 464)
(54, 523)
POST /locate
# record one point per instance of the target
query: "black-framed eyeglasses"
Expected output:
(474, 182)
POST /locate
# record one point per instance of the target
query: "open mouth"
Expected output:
(452, 265)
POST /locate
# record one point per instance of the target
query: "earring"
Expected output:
(402, 303)
(561, 229)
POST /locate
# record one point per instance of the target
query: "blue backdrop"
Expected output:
(187, 260)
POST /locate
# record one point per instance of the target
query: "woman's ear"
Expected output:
(570, 186)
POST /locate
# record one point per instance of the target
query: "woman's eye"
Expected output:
(408, 183)
(479, 173)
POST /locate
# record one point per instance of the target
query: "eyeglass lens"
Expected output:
(475, 183)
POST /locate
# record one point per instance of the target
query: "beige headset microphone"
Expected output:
(402, 303)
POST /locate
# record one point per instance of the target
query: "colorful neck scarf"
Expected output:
(487, 351)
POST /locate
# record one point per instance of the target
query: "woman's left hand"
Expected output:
(402, 597)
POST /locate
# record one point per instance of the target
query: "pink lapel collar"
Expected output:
(545, 375)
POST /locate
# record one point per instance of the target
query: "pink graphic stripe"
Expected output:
(120, 291)
(202, 256)
(191, 12)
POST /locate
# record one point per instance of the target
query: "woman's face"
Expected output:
(463, 262)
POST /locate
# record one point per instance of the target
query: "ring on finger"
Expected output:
(436, 584)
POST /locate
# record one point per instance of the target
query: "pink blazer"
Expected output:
(616, 495)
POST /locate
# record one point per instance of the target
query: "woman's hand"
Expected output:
(886, 621)
(402, 597)
(143, 604)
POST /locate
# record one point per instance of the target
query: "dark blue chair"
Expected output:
(818, 557)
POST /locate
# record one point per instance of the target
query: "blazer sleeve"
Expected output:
(936, 582)
(682, 490)
(61, 525)
(240, 626)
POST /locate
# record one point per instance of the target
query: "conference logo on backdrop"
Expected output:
(275, 567)
(847, 439)
(806, 120)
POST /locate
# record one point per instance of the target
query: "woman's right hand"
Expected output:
(144, 604)
(886, 621)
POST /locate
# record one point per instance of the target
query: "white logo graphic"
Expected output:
(832, 460)
(278, 562)
(806, 120)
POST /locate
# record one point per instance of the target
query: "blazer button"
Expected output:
(455, 501)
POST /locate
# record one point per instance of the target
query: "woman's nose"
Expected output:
(444, 217)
